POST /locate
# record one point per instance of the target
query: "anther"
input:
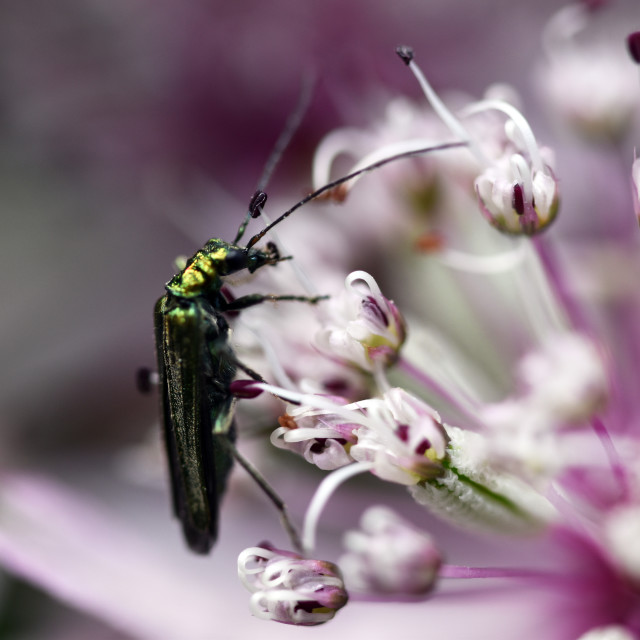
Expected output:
(517, 201)
(633, 46)
(405, 53)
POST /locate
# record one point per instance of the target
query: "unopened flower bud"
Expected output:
(290, 589)
(516, 198)
(566, 380)
(389, 555)
(366, 328)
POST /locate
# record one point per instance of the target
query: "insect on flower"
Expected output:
(197, 365)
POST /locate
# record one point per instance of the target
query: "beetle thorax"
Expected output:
(201, 274)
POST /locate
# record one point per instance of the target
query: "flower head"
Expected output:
(290, 589)
(365, 329)
(389, 555)
(587, 79)
(517, 198)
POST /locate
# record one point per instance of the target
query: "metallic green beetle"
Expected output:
(196, 366)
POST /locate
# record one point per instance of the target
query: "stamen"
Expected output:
(349, 411)
(633, 46)
(337, 143)
(518, 199)
(278, 371)
(482, 265)
(454, 125)
(327, 487)
(519, 121)
(367, 278)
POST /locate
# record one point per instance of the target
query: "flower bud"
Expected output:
(389, 556)
(290, 589)
(366, 328)
(566, 380)
(516, 198)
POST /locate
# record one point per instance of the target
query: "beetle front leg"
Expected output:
(257, 298)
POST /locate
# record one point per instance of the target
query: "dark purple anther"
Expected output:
(371, 308)
(633, 45)
(517, 201)
(244, 389)
(405, 53)
(403, 432)
(307, 605)
(257, 203)
(336, 386)
(423, 447)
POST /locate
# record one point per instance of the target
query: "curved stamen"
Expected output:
(327, 487)
(520, 122)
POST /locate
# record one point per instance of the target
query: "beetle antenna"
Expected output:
(371, 167)
(291, 126)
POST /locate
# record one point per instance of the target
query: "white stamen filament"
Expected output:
(380, 376)
(483, 265)
(455, 126)
(537, 294)
(324, 491)
(298, 271)
(299, 435)
(349, 412)
(525, 178)
(368, 279)
(245, 556)
(343, 141)
(518, 120)
(270, 354)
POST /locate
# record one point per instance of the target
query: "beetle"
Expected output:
(197, 365)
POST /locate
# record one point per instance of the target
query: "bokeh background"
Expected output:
(131, 131)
